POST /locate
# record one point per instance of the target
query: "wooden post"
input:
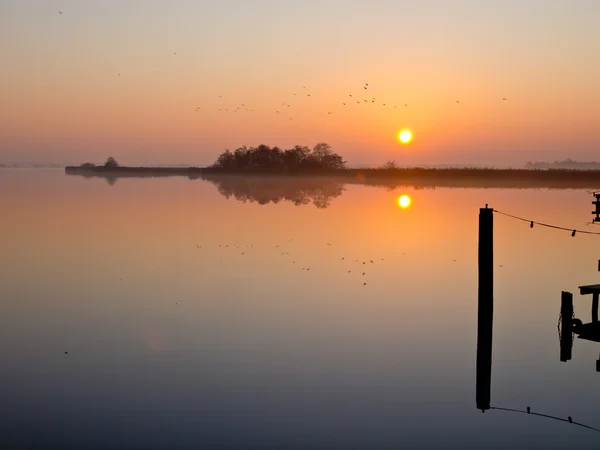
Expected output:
(566, 331)
(595, 307)
(485, 312)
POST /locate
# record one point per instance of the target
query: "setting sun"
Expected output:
(404, 201)
(405, 136)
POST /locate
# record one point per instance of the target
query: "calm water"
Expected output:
(234, 345)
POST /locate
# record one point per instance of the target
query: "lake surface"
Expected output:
(191, 319)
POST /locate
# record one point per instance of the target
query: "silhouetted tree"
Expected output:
(326, 158)
(272, 159)
(111, 162)
(389, 165)
(88, 165)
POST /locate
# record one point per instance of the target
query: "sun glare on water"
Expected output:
(404, 201)
(405, 136)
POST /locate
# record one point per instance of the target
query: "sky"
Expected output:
(160, 82)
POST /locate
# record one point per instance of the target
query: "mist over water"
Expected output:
(235, 315)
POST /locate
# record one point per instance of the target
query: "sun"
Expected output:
(404, 201)
(405, 136)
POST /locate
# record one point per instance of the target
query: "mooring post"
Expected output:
(566, 330)
(594, 307)
(485, 312)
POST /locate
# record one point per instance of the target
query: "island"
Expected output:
(321, 161)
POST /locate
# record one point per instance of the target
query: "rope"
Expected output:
(547, 416)
(547, 225)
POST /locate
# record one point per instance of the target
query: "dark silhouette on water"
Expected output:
(569, 419)
(485, 309)
(266, 190)
(485, 321)
(569, 326)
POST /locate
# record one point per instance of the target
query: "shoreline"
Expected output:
(418, 177)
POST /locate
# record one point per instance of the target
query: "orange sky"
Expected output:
(64, 102)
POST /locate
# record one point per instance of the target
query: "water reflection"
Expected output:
(569, 325)
(250, 351)
(320, 191)
(404, 201)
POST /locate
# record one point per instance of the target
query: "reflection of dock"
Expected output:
(569, 325)
(485, 309)
(593, 289)
(485, 322)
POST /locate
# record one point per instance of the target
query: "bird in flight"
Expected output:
(60, 12)
(457, 101)
(503, 98)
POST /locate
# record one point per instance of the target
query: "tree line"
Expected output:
(264, 158)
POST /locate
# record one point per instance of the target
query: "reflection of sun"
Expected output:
(405, 136)
(404, 201)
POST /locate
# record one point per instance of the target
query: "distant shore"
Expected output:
(420, 177)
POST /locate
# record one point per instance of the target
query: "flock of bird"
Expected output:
(243, 107)
(344, 104)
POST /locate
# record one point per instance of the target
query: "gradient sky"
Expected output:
(62, 100)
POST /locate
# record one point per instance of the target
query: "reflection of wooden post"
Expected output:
(595, 307)
(485, 312)
(566, 332)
